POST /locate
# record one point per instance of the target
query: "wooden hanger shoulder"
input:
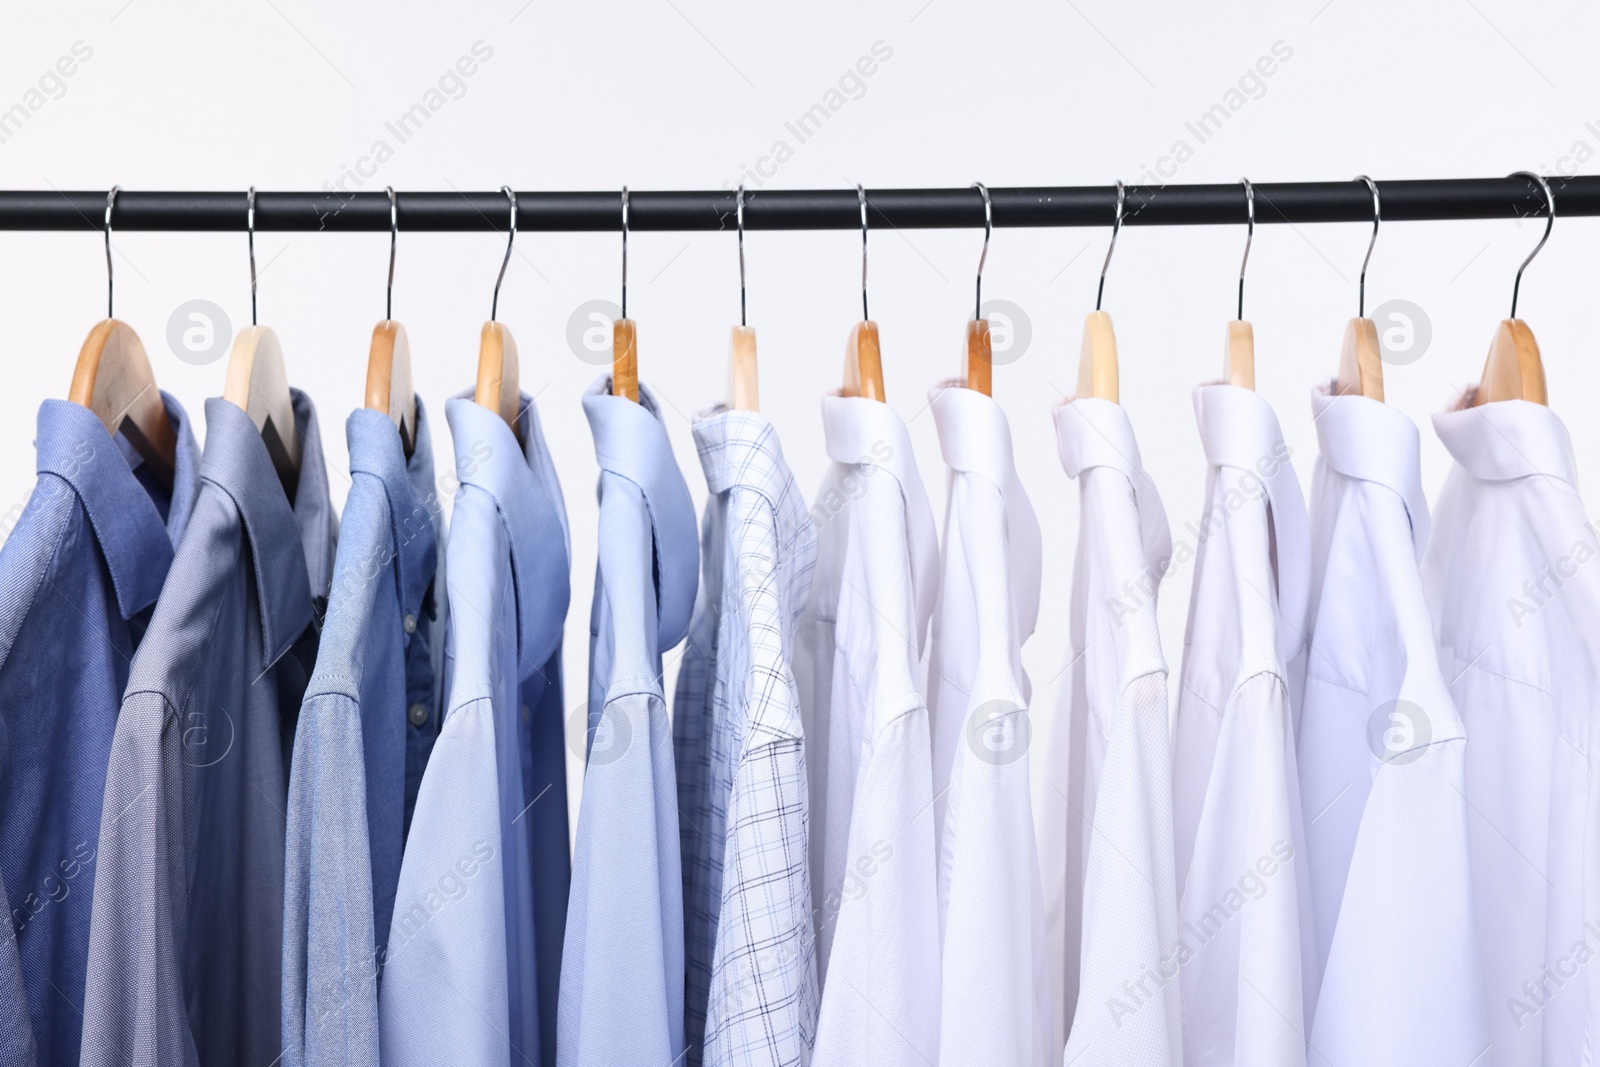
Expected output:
(389, 387)
(1514, 369)
(863, 362)
(743, 382)
(499, 384)
(1360, 361)
(1097, 358)
(980, 357)
(258, 383)
(113, 379)
(625, 359)
(1239, 355)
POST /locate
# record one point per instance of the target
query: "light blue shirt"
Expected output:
(371, 701)
(622, 976)
(462, 976)
(186, 939)
(79, 575)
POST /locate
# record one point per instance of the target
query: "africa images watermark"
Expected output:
(1198, 932)
(1552, 577)
(51, 85)
(1540, 991)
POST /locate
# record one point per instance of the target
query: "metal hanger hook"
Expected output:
(983, 257)
(394, 231)
(624, 251)
(1249, 237)
(250, 227)
(739, 216)
(111, 201)
(861, 195)
(511, 238)
(1550, 201)
(1116, 228)
(1377, 220)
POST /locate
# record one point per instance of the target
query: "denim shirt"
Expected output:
(622, 977)
(369, 713)
(78, 577)
(480, 910)
(186, 941)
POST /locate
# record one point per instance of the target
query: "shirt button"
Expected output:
(524, 713)
(418, 714)
(410, 624)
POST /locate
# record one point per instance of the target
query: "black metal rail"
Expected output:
(819, 209)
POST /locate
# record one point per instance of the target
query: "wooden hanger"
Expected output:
(863, 356)
(743, 381)
(980, 346)
(1514, 369)
(258, 384)
(1239, 352)
(389, 388)
(1097, 356)
(625, 332)
(1360, 358)
(498, 385)
(113, 379)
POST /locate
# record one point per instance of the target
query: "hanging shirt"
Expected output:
(880, 1001)
(996, 978)
(371, 705)
(186, 943)
(79, 574)
(748, 883)
(1117, 902)
(465, 936)
(1249, 979)
(1516, 599)
(1381, 751)
(622, 974)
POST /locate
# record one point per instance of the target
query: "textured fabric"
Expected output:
(1516, 597)
(1248, 977)
(880, 999)
(467, 932)
(622, 972)
(186, 943)
(996, 979)
(1116, 946)
(1381, 764)
(79, 574)
(763, 994)
(347, 784)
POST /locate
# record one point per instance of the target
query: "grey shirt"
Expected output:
(186, 935)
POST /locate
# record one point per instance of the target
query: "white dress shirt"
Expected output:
(1115, 890)
(996, 984)
(1250, 976)
(880, 999)
(1381, 762)
(1511, 575)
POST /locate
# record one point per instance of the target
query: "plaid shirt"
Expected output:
(752, 981)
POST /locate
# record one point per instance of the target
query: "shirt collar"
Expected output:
(376, 449)
(290, 547)
(630, 441)
(869, 433)
(1092, 432)
(489, 458)
(740, 448)
(976, 439)
(137, 544)
(1367, 439)
(1238, 429)
(1506, 440)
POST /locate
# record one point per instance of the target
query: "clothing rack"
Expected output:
(816, 209)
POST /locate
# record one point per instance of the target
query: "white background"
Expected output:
(686, 94)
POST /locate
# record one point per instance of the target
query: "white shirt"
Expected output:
(1511, 575)
(1381, 756)
(1244, 899)
(880, 999)
(996, 985)
(1118, 971)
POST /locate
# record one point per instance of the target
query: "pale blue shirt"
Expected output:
(462, 979)
(622, 976)
(370, 704)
